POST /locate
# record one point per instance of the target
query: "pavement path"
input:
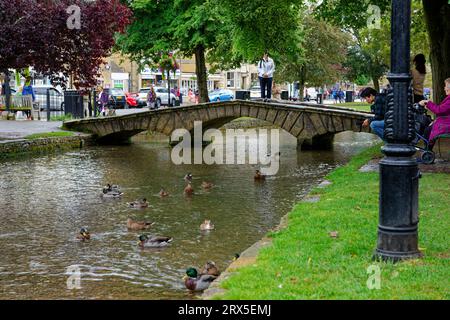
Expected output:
(18, 129)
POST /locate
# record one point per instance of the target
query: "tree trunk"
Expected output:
(437, 17)
(301, 84)
(200, 70)
(376, 83)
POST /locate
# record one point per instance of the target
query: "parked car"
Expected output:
(220, 95)
(131, 99)
(311, 94)
(162, 97)
(56, 97)
(117, 98)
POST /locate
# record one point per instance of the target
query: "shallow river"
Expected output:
(45, 201)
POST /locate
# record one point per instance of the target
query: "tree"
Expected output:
(324, 50)
(437, 17)
(223, 33)
(353, 15)
(188, 27)
(41, 36)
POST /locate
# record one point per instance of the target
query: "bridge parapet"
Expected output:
(306, 122)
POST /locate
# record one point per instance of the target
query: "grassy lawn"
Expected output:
(360, 106)
(304, 262)
(49, 135)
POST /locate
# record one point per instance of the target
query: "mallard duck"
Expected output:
(207, 225)
(189, 190)
(207, 185)
(210, 268)
(195, 282)
(153, 242)
(163, 193)
(138, 225)
(259, 176)
(236, 256)
(84, 235)
(138, 203)
(112, 191)
(188, 177)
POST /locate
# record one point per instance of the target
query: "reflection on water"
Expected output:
(45, 201)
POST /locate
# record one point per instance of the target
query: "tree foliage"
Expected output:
(36, 33)
(324, 50)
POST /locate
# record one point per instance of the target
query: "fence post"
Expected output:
(94, 93)
(7, 92)
(48, 104)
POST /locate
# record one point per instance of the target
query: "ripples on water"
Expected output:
(45, 201)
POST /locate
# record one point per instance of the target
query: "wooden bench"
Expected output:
(21, 103)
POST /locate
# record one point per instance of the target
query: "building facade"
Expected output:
(120, 72)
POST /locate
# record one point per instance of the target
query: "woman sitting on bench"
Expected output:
(28, 90)
(442, 111)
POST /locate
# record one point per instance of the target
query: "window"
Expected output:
(230, 79)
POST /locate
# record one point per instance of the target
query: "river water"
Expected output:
(45, 201)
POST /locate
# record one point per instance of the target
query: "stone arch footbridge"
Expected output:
(313, 125)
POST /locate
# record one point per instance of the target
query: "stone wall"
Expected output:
(24, 147)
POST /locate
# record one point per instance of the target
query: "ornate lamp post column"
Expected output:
(399, 173)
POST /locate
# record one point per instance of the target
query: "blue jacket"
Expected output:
(28, 90)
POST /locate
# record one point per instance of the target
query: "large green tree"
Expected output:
(353, 15)
(324, 49)
(226, 32)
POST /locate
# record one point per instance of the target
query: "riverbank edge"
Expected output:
(279, 270)
(249, 256)
(18, 148)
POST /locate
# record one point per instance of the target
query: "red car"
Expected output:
(131, 99)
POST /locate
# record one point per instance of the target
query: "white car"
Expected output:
(56, 97)
(311, 94)
(162, 97)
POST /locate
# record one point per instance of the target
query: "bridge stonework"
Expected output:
(312, 124)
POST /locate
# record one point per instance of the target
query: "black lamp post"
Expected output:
(399, 173)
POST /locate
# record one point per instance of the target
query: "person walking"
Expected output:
(418, 74)
(151, 98)
(103, 100)
(266, 68)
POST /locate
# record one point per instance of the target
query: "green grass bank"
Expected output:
(305, 262)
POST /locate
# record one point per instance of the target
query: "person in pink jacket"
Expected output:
(442, 111)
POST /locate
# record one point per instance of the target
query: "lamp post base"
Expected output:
(397, 245)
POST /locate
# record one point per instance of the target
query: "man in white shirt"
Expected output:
(266, 68)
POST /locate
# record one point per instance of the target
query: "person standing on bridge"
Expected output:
(378, 108)
(266, 68)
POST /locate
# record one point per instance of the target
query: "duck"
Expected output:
(138, 225)
(163, 193)
(259, 176)
(189, 190)
(84, 235)
(236, 256)
(138, 203)
(210, 268)
(112, 191)
(154, 241)
(207, 225)
(188, 177)
(195, 282)
(207, 185)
